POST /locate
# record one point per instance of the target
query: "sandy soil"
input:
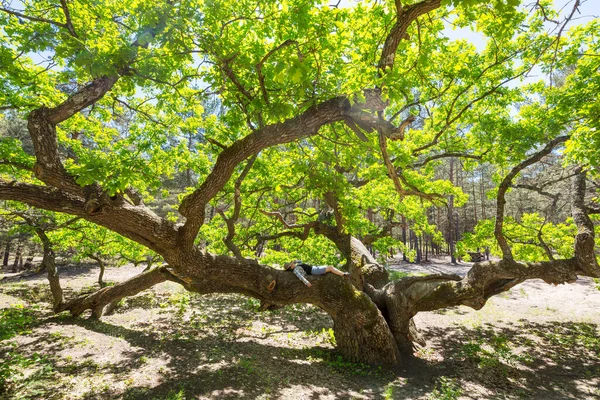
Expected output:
(536, 341)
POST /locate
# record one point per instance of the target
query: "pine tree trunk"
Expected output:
(6, 254)
(474, 206)
(404, 238)
(482, 195)
(15, 267)
(418, 248)
(451, 217)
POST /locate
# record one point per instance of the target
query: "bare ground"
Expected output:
(537, 341)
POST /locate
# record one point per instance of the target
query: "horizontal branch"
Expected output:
(137, 223)
(488, 279)
(45, 197)
(98, 300)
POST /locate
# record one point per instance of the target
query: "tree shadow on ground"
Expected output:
(226, 367)
(218, 347)
(525, 360)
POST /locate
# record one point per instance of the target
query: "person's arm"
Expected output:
(302, 278)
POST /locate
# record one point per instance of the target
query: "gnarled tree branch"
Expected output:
(404, 17)
(304, 125)
(237, 206)
(506, 183)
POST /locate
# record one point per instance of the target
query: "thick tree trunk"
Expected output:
(361, 332)
(401, 324)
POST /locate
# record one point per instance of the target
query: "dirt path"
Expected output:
(537, 341)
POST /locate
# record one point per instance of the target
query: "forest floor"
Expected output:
(536, 341)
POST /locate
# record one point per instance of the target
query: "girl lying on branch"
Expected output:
(301, 270)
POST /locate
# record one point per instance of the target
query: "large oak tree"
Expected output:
(294, 117)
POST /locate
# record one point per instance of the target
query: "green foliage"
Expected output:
(395, 275)
(523, 236)
(12, 362)
(492, 352)
(181, 301)
(247, 364)
(330, 335)
(174, 395)
(85, 240)
(388, 394)
(579, 335)
(316, 250)
(15, 320)
(337, 363)
(446, 389)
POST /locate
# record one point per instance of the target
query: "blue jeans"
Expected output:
(319, 270)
